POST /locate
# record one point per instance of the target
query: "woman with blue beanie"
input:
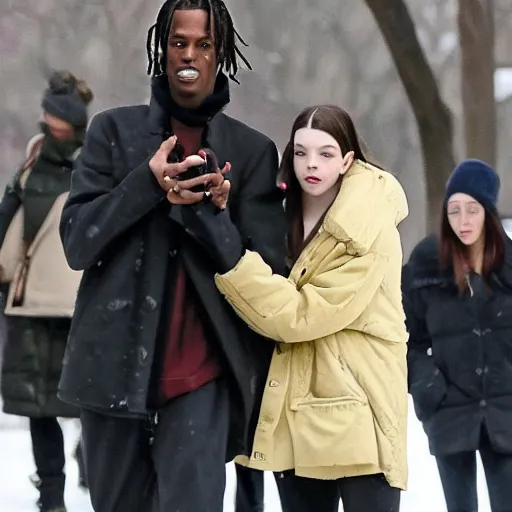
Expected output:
(458, 302)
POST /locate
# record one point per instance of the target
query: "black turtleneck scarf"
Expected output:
(197, 117)
(50, 176)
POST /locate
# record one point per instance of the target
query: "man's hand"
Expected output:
(178, 191)
(219, 187)
(220, 193)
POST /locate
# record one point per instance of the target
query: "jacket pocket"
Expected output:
(333, 432)
(428, 391)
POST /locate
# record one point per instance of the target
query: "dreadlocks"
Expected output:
(226, 36)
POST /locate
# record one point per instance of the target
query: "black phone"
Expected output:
(209, 166)
(197, 170)
(177, 154)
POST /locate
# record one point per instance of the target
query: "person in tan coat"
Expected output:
(38, 287)
(333, 418)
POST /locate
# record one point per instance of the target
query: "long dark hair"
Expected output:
(455, 255)
(336, 122)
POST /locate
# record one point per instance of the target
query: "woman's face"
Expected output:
(60, 129)
(466, 217)
(318, 161)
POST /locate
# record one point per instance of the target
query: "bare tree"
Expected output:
(476, 39)
(302, 53)
(432, 115)
(503, 34)
(102, 41)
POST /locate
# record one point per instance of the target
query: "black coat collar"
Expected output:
(162, 107)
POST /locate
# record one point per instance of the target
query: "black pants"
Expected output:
(176, 462)
(458, 476)
(370, 493)
(48, 449)
(250, 490)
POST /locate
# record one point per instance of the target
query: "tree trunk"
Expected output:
(432, 115)
(476, 39)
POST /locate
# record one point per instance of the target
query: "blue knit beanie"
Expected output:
(476, 179)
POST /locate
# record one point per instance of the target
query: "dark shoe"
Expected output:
(41, 508)
(58, 509)
(51, 493)
(36, 482)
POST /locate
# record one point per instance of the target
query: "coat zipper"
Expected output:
(468, 281)
(152, 424)
(480, 303)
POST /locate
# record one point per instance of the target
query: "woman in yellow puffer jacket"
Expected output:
(334, 413)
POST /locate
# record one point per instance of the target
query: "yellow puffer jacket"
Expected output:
(335, 404)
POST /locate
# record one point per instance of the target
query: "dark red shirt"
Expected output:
(189, 360)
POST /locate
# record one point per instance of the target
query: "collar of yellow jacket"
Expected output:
(368, 200)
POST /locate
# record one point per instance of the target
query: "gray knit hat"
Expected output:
(62, 99)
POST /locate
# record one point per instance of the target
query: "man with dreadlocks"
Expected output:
(166, 375)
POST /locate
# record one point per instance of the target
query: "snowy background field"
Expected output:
(18, 495)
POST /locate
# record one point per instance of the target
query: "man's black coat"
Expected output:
(116, 227)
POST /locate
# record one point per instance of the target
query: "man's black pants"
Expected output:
(176, 462)
(370, 493)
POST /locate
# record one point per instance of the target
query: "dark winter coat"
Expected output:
(460, 353)
(116, 227)
(35, 343)
(31, 367)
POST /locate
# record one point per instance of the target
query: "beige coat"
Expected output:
(335, 404)
(50, 286)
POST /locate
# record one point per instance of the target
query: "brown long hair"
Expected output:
(336, 122)
(455, 255)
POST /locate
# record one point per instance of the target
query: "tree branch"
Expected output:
(432, 115)
(476, 39)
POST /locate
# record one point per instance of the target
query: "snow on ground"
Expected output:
(18, 495)
(503, 84)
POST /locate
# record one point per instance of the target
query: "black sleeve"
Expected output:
(11, 201)
(427, 384)
(214, 230)
(255, 220)
(258, 212)
(98, 210)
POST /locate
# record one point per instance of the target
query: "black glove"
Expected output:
(213, 229)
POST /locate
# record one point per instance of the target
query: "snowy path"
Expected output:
(18, 495)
